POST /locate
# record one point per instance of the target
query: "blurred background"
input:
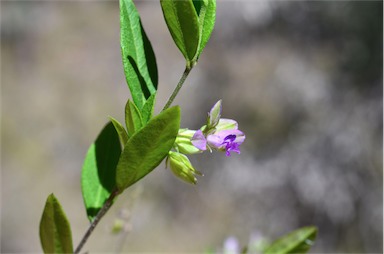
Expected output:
(303, 79)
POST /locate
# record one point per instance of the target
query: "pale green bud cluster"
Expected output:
(182, 167)
(183, 142)
(178, 161)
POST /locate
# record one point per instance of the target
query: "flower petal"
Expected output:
(226, 124)
(199, 141)
(240, 137)
(227, 140)
(215, 141)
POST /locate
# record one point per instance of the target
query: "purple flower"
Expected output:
(219, 133)
(222, 140)
(228, 140)
(231, 246)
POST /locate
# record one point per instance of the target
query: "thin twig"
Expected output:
(178, 87)
(108, 203)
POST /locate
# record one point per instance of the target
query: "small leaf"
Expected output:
(55, 230)
(183, 24)
(138, 57)
(298, 241)
(133, 119)
(123, 136)
(147, 148)
(148, 108)
(99, 170)
(207, 19)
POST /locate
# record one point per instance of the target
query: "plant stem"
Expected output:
(178, 87)
(108, 203)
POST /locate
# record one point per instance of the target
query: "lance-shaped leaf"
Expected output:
(55, 230)
(183, 24)
(298, 241)
(138, 57)
(99, 170)
(133, 119)
(206, 11)
(147, 148)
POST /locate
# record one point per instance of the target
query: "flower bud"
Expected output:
(182, 167)
(214, 115)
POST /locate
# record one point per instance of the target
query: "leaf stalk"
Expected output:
(186, 72)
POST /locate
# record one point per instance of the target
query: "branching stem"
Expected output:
(108, 203)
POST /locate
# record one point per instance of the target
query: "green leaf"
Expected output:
(138, 57)
(183, 24)
(148, 108)
(133, 119)
(147, 148)
(123, 135)
(55, 230)
(207, 17)
(99, 170)
(298, 241)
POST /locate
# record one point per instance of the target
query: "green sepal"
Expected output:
(147, 148)
(55, 230)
